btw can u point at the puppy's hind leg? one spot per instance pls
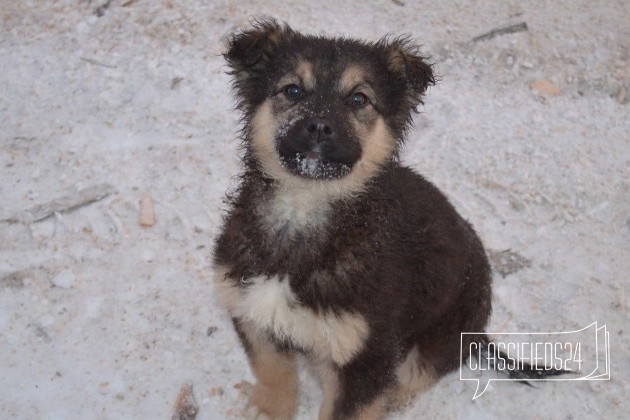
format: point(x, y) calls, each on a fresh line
point(356, 391)
point(413, 376)
point(276, 390)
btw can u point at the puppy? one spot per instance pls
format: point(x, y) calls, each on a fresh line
point(331, 249)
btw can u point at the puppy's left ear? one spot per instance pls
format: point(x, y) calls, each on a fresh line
point(405, 60)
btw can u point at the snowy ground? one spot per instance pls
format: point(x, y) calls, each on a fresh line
point(103, 318)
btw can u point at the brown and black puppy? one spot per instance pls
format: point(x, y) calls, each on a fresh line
point(332, 250)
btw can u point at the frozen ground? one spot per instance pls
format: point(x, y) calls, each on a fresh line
point(101, 318)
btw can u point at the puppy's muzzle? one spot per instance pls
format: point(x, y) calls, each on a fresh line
point(316, 147)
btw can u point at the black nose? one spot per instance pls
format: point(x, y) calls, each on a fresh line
point(319, 129)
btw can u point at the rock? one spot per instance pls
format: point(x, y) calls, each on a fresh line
point(13, 280)
point(507, 262)
point(622, 96)
point(186, 407)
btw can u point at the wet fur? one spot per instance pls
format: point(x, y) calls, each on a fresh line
point(371, 276)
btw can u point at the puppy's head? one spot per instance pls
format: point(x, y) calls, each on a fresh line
point(330, 111)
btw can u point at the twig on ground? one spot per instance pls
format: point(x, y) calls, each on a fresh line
point(62, 204)
point(509, 29)
point(97, 63)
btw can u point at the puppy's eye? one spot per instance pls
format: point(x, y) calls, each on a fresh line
point(293, 91)
point(359, 99)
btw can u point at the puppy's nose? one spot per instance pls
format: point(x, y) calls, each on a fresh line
point(319, 129)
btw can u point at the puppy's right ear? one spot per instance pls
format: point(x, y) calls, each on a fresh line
point(404, 60)
point(251, 49)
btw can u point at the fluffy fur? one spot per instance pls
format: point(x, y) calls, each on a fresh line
point(331, 249)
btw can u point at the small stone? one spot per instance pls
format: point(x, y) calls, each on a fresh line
point(545, 87)
point(176, 81)
point(516, 203)
point(216, 391)
point(186, 407)
point(103, 388)
point(64, 279)
point(508, 262)
point(41, 332)
point(16, 280)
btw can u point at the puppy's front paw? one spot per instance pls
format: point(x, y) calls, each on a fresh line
point(268, 403)
point(253, 413)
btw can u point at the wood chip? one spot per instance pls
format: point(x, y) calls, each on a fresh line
point(545, 87)
point(147, 213)
point(186, 407)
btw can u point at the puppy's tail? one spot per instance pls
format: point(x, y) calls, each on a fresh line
point(515, 369)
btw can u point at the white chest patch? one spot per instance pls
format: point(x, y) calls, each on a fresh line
point(270, 306)
point(296, 209)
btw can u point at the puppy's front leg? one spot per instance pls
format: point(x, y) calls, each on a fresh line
point(276, 390)
point(355, 391)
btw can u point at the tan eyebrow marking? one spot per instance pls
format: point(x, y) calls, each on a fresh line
point(288, 79)
point(351, 77)
point(302, 76)
point(304, 71)
point(353, 80)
